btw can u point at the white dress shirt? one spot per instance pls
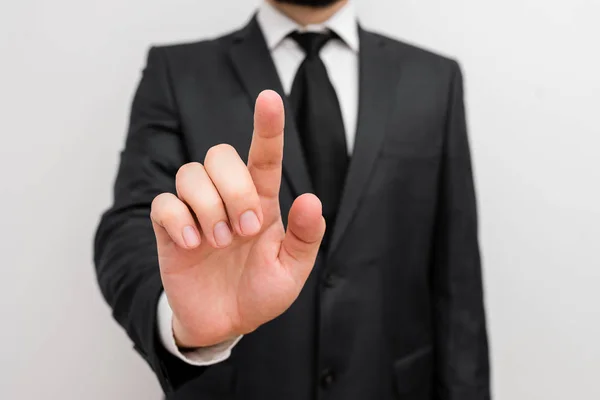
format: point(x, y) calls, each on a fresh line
point(341, 60)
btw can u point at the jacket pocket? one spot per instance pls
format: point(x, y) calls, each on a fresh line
point(415, 371)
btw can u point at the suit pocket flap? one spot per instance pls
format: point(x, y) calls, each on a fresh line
point(414, 370)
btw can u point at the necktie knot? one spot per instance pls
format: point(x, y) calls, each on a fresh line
point(312, 42)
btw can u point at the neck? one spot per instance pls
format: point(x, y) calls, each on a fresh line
point(307, 15)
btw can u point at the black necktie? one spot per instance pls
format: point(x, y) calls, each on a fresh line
point(320, 124)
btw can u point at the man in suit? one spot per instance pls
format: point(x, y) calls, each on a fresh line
point(343, 265)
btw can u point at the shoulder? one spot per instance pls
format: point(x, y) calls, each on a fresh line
point(194, 53)
point(408, 54)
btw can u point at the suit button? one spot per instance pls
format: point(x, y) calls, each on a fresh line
point(329, 281)
point(327, 378)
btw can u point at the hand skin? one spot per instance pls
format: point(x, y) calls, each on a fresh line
point(226, 262)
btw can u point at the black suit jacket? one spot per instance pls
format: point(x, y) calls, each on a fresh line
point(394, 309)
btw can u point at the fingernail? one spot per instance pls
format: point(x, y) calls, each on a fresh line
point(190, 237)
point(222, 234)
point(249, 223)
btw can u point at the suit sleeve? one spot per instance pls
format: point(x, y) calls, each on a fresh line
point(125, 249)
point(462, 366)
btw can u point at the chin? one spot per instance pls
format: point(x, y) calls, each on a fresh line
point(309, 3)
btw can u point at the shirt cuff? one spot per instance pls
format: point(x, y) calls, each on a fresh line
point(200, 357)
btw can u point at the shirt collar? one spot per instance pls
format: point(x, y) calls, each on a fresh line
point(276, 26)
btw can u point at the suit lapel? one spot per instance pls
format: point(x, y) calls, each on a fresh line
point(378, 75)
point(254, 66)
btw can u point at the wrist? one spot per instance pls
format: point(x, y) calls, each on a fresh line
point(187, 341)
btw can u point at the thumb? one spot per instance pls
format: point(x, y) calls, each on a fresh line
point(306, 227)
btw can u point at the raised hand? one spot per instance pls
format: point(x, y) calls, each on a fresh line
point(226, 263)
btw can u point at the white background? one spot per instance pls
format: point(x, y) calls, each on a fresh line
point(68, 69)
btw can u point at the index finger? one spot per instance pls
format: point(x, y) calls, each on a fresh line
point(266, 151)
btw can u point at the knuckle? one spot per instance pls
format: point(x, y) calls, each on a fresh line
point(218, 151)
point(159, 200)
point(210, 210)
point(186, 171)
point(242, 195)
point(169, 216)
point(159, 209)
point(214, 206)
point(185, 176)
point(266, 165)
